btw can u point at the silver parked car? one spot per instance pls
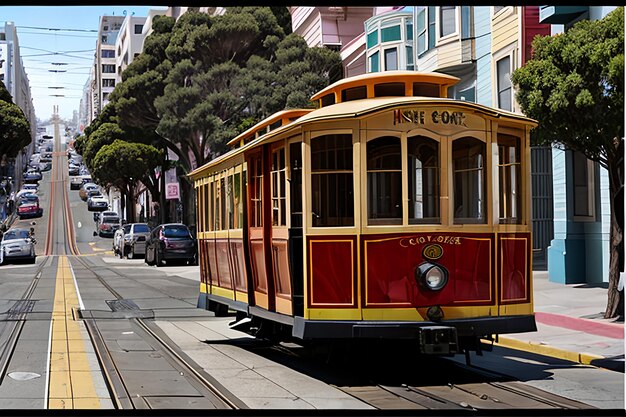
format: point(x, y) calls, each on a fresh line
point(17, 243)
point(134, 240)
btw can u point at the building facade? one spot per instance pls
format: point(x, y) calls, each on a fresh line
point(128, 44)
point(15, 79)
point(338, 28)
point(579, 252)
point(106, 60)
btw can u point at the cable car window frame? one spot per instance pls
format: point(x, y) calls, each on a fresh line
point(387, 177)
point(480, 197)
point(317, 218)
point(436, 199)
point(510, 172)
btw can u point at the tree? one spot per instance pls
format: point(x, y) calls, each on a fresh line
point(106, 134)
point(123, 164)
point(4, 94)
point(14, 129)
point(574, 87)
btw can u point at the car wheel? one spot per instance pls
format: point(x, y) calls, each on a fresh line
point(120, 252)
point(130, 254)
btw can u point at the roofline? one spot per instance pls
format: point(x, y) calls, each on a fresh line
point(432, 77)
point(386, 103)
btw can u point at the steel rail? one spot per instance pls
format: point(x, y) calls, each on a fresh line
point(18, 323)
point(165, 346)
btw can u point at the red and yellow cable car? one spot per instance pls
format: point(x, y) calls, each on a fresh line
point(389, 212)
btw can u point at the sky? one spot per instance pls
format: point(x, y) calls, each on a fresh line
point(44, 49)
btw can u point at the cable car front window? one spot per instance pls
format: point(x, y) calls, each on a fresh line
point(332, 181)
point(468, 159)
point(384, 181)
point(423, 164)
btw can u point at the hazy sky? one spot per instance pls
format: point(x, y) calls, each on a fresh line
point(43, 48)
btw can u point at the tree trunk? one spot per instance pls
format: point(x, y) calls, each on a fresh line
point(130, 207)
point(122, 201)
point(615, 241)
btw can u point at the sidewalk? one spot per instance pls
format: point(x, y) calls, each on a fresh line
point(570, 325)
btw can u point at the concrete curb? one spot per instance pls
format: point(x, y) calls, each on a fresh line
point(547, 350)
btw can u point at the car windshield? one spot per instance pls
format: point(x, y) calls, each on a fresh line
point(176, 231)
point(16, 234)
point(31, 198)
point(111, 220)
point(141, 228)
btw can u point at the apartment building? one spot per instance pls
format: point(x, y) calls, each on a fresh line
point(338, 28)
point(129, 43)
point(15, 79)
point(106, 61)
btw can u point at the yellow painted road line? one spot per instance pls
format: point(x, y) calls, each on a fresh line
point(71, 383)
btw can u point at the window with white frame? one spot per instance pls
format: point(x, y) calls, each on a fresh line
point(108, 82)
point(496, 9)
point(374, 62)
point(505, 90)
point(447, 20)
point(391, 59)
point(420, 27)
point(409, 58)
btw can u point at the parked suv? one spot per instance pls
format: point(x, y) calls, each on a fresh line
point(168, 242)
point(130, 240)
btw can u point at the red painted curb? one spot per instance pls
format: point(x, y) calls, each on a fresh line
point(611, 330)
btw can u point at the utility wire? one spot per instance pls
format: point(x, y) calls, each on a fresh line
point(58, 34)
point(58, 29)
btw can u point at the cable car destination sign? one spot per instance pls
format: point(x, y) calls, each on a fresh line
point(422, 117)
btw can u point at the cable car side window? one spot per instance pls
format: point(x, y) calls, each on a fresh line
point(384, 181)
point(424, 180)
point(510, 174)
point(468, 160)
point(332, 181)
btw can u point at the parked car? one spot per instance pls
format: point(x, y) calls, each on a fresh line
point(22, 192)
point(170, 242)
point(45, 166)
point(85, 189)
point(32, 176)
point(97, 202)
point(108, 224)
point(28, 206)
point(46, 157)
point(31, 187)
point(73, 169)
point(75, 183)
point(133, 240)
point(17, 243)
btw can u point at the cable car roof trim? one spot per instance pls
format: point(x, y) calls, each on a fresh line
point(358, 108)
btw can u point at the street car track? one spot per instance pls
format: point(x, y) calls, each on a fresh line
point(116, 384)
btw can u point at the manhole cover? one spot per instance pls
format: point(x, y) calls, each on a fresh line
point(23, 376)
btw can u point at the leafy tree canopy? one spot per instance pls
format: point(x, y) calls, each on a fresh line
point(4, 93)
point(574, 87)
point(122, 163)
point(14, 129)
point(106, 134)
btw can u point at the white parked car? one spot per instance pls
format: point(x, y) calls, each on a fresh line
point(97, 203)
point(17, 243)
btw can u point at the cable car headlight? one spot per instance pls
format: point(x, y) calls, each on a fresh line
point(431, 276)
